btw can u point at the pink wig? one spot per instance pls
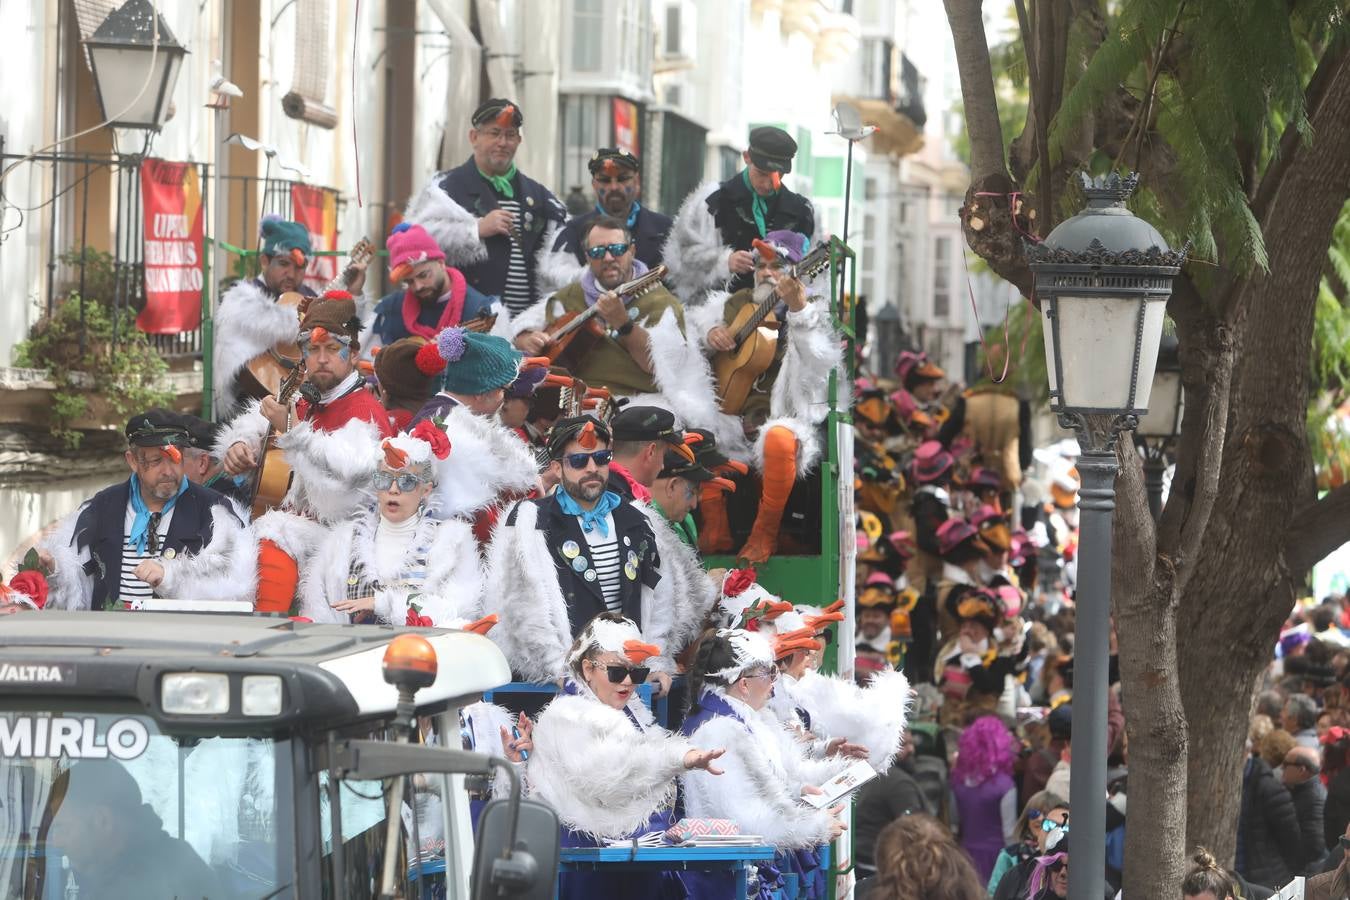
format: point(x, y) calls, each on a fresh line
point(986, 748)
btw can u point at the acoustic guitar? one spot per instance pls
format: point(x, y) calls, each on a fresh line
point(263, 375)
point(755, 333)
point(572, 335)
point(274, 473)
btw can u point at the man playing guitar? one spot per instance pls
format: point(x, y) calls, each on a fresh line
point(621, 359)
point(334, 400)
point(782, 422)
point(250, 321)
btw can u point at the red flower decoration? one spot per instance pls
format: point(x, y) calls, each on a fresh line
point(737, 582)
point(33, 583)
point(426, 430)
point(416, 618)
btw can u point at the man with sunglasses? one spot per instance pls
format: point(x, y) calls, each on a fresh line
point(558, 561)
point(492, 221)
point(625, 358)
point(711, 240)
point(617, 181)
point(155, 533)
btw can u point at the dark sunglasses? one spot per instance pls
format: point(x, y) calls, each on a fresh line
point(614, 250)
point(1049, 825)
point(617, 674)
point(1056, 867)
point(578, 460)
point(406, 482)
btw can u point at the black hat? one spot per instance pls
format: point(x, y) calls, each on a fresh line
point(504, 112)
point(157, 428)
point(706, 452)
point(646, 423)
point(1060, 722)
point(772, 149)
point(611, 154)
point(564, 431)
point(201, 433)
point(676, 465)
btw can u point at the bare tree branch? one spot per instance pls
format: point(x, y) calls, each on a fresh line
point(1318, 529)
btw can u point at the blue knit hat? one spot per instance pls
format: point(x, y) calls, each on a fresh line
point(280, 236)
point(473, 363)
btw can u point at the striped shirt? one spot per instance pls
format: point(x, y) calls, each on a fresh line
point(132, 588)
point(606, 560)
point(516, 292)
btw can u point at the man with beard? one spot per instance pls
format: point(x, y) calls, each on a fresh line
point(249, 321)
point(492, 221)
point(336, 419)
point(558, 561)
point(156, 530)
point(623, 359)
point(788, 401)
point(434, 296)
point(710, 244)
point(617, 182)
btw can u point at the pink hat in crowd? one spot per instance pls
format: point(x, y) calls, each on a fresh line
point(931, 462)
point(409, 245)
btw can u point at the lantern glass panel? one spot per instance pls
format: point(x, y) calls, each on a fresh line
point(120, 73)
point(1165, 407)
point(1097, 340)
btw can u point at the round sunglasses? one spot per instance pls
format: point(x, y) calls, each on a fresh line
point(406, 481)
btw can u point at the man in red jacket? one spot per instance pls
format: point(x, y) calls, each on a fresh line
point(335, 417)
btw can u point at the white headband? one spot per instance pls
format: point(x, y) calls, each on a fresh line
point(607, 635)
point(749, 648)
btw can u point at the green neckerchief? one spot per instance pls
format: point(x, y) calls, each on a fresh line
point(758, 205)
point(502, 183)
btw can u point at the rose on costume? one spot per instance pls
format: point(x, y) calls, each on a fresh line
point(737, 582)
point(427, 431)
point(416, 618)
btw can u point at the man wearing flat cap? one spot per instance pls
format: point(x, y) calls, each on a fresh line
point(492, 221)
point(155, 534)
point(710, 240)
point(642, 435)
point(617, 181)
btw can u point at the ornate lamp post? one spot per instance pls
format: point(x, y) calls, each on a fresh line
point(1103, 278)
point(135, 59)
point(1158, 429)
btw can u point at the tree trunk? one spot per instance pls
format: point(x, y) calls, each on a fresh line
point(1266, 471)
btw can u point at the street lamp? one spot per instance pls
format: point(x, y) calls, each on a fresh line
point(1160, 426)
point(135, 59)
point(1102, 278)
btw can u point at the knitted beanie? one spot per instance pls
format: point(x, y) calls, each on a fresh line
point(280, 237)
point(396, 370)
point(410, 245)
point(473, 363)
point(335, 313)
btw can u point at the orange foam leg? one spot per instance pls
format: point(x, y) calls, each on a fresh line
point(278, 577)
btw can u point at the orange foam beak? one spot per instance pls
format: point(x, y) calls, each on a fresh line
point(818, 622)
point(401, 272)
point(297, 256)
point(586, 438)
point(737, 466)
point(610, 168)
point(835, 607)
point(801, 639)
point(637, 652)
point(173, 453)
point(692, 438)
point(766, 252)
point(318, 335)
point(555, 380)
point(505, 117)
point(724, 484)
point(776, 179)
point(394, 458)
point(775, 608)
point(534, 362)
point(365, 367)
point(483, 625)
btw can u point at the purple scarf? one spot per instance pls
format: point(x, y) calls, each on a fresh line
point(593, 290)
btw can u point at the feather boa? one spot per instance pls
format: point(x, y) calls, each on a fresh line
point(68, 585)
point(225, 569)
point(451, 225)
point(486, 461)
point(874, 716)
point(694, 253)
point(683, 597)
point(332, 468)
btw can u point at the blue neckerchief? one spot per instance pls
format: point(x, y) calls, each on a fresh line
point(140, 526)
point(759, 207)
point(590, 518)
point(632, 213)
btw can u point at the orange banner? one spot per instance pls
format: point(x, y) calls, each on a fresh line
point(316, 209)
point(171, 199)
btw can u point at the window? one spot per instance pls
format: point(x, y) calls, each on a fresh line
point(588, 19)
point(870, 189)
point(942, 274)
point(902, 212)
point(672, 37)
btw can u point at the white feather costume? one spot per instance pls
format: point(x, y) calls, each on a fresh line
point(456, 230)
point(765, 771)
point(683, 598)
point(521, 588)
point(694, 253)
point(247, 322)
point(603, 776)
point(487, 461)
point(557, 269)
point(331, 482)
point(874, 716)
point(451, 587)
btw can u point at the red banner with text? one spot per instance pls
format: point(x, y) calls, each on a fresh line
point(171, 197)
point(316, 209)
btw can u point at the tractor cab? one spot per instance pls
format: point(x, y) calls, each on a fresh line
point(222, 756)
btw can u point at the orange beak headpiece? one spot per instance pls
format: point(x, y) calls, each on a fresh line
point(394, 458)
point(506, 118)
point(499, 112)
point(766, 251)
point(638, 652)
point(586, 437)
point(483, 625)
point(792, 641)
point(297, 256)
point(776, 179)
point(173, 453)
